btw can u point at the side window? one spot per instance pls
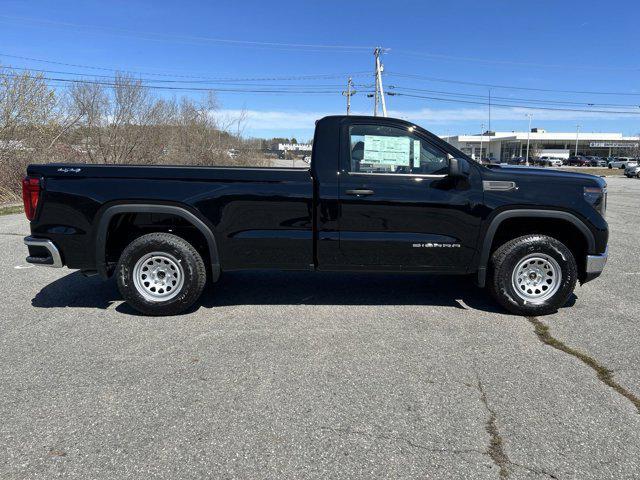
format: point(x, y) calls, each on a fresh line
point(382, 149)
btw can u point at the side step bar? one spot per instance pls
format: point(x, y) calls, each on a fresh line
point(44, 252)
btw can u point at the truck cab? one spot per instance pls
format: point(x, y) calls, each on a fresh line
point(396, 204)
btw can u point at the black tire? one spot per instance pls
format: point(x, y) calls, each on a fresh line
point(190, 267)
point(512, 254)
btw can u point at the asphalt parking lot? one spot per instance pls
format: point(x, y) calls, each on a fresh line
point(300, 375)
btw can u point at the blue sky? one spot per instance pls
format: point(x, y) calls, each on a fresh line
point(546, 45)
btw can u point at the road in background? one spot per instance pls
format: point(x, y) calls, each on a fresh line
point(302, 375)
point(293, 163)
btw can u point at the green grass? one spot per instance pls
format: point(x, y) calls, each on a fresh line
point(11, 209)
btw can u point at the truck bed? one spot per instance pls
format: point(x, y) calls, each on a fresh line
point(261, 217)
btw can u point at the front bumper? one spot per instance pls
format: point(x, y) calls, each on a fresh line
point(43, 251)
point(595, 265)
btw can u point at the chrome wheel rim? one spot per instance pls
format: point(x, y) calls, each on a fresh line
point(158, 276)
point(536, 278)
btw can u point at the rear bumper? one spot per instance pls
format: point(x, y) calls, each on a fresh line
point(595, 265)
point(43, 252)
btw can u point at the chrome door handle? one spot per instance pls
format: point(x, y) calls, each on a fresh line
point(358, 192)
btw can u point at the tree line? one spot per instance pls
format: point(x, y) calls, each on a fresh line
point(119, 121)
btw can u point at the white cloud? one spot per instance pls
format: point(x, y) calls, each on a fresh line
point(291, 121)
point(276, 120)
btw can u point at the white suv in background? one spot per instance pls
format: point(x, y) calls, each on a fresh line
point(550, 161)
point(622, 162)
point(632, 170)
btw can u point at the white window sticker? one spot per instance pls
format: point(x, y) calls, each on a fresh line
point(387, 152)
point(416, 153)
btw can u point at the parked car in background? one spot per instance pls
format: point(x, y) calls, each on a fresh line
point(517, 161)
point(550, 161)
point(621, 162)
point(632, 170)
point(579, 161)
point(597, 161)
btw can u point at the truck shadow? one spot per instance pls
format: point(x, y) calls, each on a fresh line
point(306, 288)
point(289, 288)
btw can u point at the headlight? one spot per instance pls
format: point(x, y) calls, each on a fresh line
point(597, 197)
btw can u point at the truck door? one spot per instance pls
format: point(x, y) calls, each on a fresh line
point(399, 209)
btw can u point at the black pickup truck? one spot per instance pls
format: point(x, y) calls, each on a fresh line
point(381, 195)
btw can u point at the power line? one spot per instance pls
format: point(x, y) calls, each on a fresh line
point(304, 77)
point(146, 81)
point(316, 89)
point(65, 81)
point(292, 88)
point(510, 62)
point(231, 91)
point(291, 45)
point(506, 87)
point(244, 81)
point(166, 37)
point(528, 107)
point(240, 81)
point(317, 76)
point(510, 99)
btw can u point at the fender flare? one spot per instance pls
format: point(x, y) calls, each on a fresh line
point(110, 212)
point(502, 216)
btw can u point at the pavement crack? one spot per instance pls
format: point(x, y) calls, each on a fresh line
point(534, 470)
point(411, 443)
point(495, 450)
point(604, 374)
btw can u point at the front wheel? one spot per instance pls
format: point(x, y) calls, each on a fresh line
point(160, 274)
point(533, 275)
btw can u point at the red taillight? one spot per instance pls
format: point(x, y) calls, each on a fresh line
point(30, 196)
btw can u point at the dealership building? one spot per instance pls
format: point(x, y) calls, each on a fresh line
point(503, 146)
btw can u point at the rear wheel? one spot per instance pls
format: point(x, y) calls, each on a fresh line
point(160, 274)
point(533, 275)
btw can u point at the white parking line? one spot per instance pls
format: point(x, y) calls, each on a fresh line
point(22, 267)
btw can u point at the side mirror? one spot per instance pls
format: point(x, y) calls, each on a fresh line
point(458, 167)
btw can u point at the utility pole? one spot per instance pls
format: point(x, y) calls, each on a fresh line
point(577, 137)
point(348, 94)
point(528, 135)
point(489, 109)
point(379, 91)
point(375, 76)
point(481, 138)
